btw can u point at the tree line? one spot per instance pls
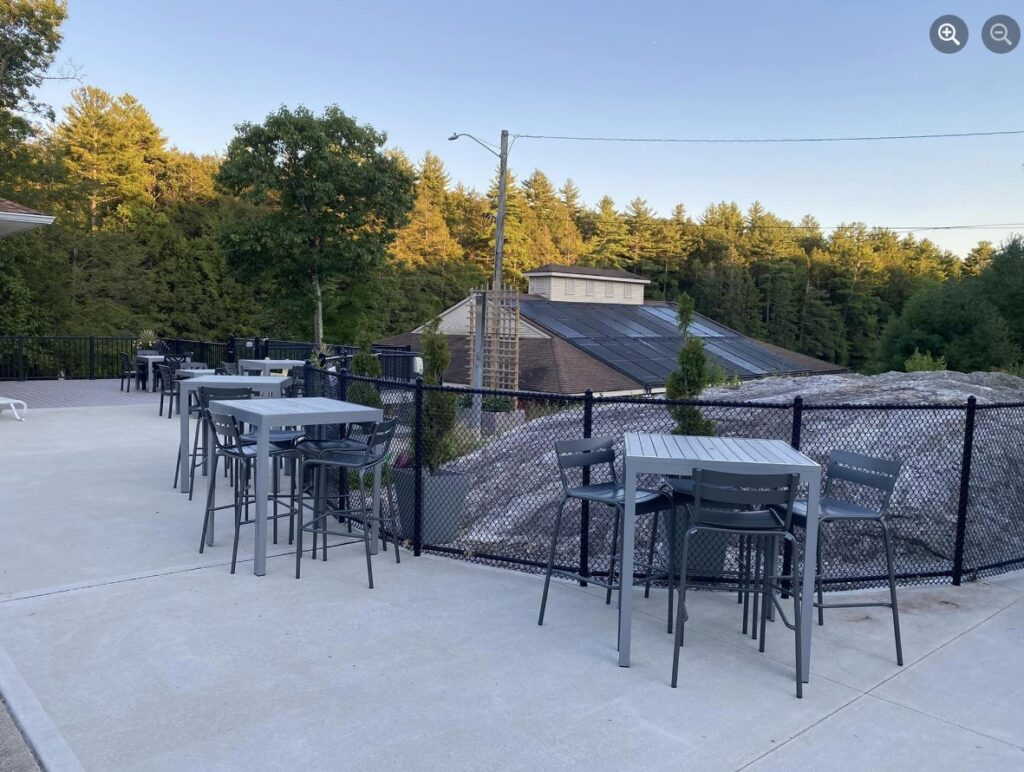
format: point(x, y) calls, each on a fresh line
point(307, 211)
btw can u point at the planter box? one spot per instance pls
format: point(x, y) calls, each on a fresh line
point(444, 503)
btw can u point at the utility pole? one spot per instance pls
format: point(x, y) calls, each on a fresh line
point(499, 225)
point(480, 311)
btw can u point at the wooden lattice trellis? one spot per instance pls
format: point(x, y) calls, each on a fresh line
point(501, 337)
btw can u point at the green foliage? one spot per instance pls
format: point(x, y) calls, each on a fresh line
point(439, 408)
point(918, 362)
point(366, 364)
point(147, 338)
point(29, 39)
point(327, 202)
point(690, 378)
point(497, 404)
point(951, 321)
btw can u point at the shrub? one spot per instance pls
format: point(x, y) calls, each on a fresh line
point(690, 378)
point(439, 408)
point(366, 364)
point(918, 362)
point(498, 404)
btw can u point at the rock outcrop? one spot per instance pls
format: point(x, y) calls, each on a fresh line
point(515, 489)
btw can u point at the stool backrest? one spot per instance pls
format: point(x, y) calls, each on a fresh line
point(126, 361)
point(575, 455)
point(378, 440)
point(225, 429)
point(845, 468)
point(743, 495)
point(215, 393)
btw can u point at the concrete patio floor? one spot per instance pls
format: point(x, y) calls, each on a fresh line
point(123, 648)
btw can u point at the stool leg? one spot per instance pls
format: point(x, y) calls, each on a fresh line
point(240, 490)
point(650, 555)
point(817, 581)
point(367, 528)
point(614, 558)
point(551, 562)
point(680, 609)
point(892, 590)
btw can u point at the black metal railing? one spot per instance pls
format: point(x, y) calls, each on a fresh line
point(51, 357)
point(957, 512)
point(36, 357)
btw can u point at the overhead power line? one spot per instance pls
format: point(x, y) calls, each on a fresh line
point(752, 140)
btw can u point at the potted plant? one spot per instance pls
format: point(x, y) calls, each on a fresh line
point(499, 414)
point(444, 491)
point(147, 340)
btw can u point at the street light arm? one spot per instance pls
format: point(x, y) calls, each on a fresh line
point(484, 145)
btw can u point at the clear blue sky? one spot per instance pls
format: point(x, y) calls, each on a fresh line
point(420, 70)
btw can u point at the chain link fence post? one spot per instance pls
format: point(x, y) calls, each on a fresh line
point(417, 507)
point(965, 486)
point(794, 441)
point(588, 427)
point(21, 357)
point(92, 358)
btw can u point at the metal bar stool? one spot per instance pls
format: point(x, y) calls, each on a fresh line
point(758, 508)
point(346, 456)
point(584, 455)
point(865, 472)
point(227, 444)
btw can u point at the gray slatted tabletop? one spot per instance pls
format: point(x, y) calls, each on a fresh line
point(680, 455)
point(261, 384)
point(266, 365)
point(266, 414)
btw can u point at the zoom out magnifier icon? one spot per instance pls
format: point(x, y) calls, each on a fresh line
point(1001, 34)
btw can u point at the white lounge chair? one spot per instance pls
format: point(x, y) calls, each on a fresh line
point(13, 404)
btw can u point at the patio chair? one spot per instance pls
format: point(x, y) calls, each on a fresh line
point(227, 444)
point(13, 404)
point(128, 370)
point(871, 475)
point(168, 386)
point(584, 456)
point(320, 456)
point(756, 507)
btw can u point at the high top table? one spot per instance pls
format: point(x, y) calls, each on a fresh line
point(151, 362)
point(263, 385)
point(266, 365)
point(266, 414)
point(670, 454)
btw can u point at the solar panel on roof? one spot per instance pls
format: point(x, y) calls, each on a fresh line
point(642, 342)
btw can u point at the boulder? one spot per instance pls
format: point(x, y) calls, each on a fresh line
point(515, 488)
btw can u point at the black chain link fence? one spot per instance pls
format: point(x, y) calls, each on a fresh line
point(957, 512)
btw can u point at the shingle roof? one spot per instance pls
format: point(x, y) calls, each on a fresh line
point(582, 270)
point(10, 207)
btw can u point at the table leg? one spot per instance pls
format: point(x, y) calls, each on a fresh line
point(810, 571)
point(183, 455)
point(626, 567)
point(262, 466)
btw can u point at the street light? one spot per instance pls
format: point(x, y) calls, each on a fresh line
point(499, 225)
point(499, 248)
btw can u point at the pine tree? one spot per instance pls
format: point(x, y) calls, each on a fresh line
point(690, 378)
point(609, 248)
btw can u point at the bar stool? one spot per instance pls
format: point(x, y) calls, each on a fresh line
point(320, 456)
point(584, 455)
point(865, 472)
point(227, 444)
